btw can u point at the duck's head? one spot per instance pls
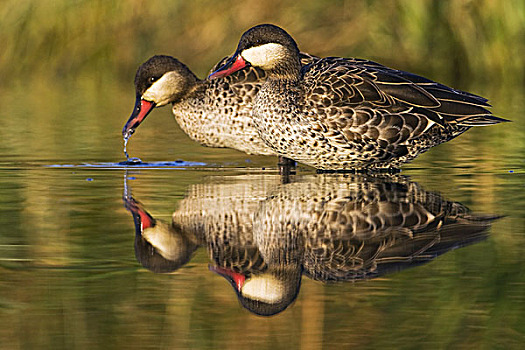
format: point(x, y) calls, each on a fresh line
point(159, 81)
point(159, 246)
point(264, 293)
point(265, 46)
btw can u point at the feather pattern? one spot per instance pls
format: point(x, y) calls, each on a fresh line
point(359, 114)
point(346, 113)
point(215, 113)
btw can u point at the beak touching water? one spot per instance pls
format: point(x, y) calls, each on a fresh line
point(235, 63)
point(140, 112)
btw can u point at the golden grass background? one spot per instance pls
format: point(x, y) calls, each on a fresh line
point(462, 39)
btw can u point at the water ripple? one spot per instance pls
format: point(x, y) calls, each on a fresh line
point(132, 164)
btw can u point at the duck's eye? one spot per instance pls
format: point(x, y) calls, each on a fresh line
point(153, 79)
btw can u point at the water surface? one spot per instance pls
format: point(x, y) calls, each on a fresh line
point(70, 268)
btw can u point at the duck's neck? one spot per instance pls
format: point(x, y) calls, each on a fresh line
point(283, 80)
point(276, 104)
point(195, 118)
point(287, 70)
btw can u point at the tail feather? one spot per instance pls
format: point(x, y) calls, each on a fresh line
point(481, 120)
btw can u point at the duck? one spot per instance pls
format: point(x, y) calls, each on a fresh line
point(214, 113)
point(348, 113)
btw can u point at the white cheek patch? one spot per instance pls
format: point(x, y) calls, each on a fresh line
point(163, 89)
point(266, 289)
point(265, 56)
point(166, 243)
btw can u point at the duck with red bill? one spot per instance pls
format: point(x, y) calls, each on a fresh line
point(235, 63)
point(348, 114)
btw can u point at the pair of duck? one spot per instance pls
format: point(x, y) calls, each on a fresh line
point(331, 113)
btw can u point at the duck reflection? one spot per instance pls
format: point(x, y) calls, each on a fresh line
point(263, 235)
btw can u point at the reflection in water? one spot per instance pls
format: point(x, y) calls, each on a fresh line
point(263, 236)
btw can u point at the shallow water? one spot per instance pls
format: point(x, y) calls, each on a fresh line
point(72, 276)
point(69, 267)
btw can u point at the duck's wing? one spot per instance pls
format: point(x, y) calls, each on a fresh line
point(354, 84)
point(359, 103)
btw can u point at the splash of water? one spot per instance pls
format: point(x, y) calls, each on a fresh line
point(130, 160)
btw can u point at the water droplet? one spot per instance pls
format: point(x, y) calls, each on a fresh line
point(126, 138)
point(130, 160)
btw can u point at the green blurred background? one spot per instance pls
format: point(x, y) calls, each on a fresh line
point(107, 40)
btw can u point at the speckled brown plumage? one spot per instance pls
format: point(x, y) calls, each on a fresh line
point(217, 113)
point(338, 113)
point(214, 113)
